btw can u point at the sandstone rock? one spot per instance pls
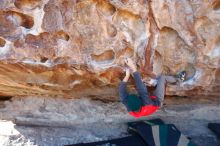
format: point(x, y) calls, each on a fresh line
point(2, 42)
point(76, 48)
point(27, 4)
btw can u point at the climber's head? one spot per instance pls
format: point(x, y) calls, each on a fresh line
point(134, 102)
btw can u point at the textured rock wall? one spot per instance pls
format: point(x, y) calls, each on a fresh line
point(75, 48)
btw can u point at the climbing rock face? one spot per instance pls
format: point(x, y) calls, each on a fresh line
point(76, 48)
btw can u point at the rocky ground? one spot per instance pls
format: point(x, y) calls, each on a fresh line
point(58, 121)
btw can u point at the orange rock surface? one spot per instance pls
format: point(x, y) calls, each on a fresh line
point(75, 48)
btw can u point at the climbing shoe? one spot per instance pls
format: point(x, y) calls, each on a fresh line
point(182, 75)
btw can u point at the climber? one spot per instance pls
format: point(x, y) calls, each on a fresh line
point(143, 104)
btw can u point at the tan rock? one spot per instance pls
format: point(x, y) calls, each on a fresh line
point(2, 42)
point(27, 4)
point(76, 48)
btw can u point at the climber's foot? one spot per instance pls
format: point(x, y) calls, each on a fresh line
point(182, 75)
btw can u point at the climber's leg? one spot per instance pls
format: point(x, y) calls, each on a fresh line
point(159, 92)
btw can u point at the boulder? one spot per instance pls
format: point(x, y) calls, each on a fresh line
point(76, 48)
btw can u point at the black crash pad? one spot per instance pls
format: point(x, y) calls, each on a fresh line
point(147, 133)
point(133, 140)
point(215, 127)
